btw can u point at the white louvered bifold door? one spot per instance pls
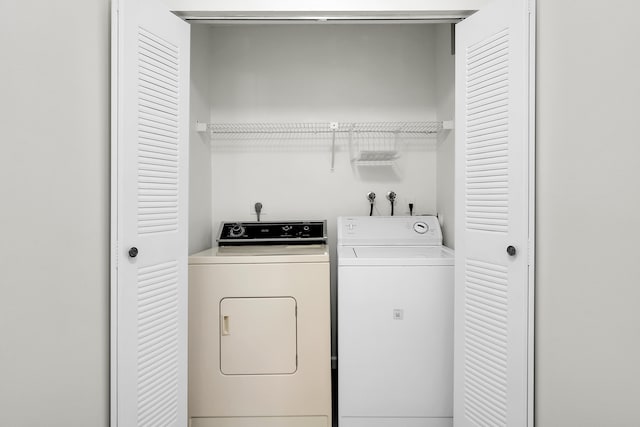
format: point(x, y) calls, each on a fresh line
point(150, 84)
point(492, 306)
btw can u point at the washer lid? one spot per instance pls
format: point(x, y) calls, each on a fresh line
point(395, 255)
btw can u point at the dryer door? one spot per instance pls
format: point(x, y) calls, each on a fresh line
point(258, 336)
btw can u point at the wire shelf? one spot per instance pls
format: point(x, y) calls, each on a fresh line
point(226, 130)
point(243, 130)
point(370, 143)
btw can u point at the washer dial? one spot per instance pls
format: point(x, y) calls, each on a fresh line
point(420, 227)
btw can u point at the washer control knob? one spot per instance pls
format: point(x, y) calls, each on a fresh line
point(420, 227)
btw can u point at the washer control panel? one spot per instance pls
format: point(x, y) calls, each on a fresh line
point(389, 230)
point(265, 233)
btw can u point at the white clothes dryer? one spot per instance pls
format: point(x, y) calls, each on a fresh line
point(395, 323)
point(260, 328)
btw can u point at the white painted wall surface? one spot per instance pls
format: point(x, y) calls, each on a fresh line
point(54, 219)
point(322, 73)
point(445, 110)
point(319, 73)
point(588, 199)
point(200, 194)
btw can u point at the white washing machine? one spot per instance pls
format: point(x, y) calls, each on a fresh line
point(395, 323)
point(260, 328)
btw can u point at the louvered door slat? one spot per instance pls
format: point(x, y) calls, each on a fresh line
point(158, 133)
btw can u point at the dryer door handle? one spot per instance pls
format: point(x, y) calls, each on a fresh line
point(225, 326)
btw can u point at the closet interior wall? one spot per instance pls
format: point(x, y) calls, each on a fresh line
point(445, 109)
point(200, 192)
point(317, 73)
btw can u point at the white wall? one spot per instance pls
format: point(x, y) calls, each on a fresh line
point(200, 193)
point(445, 95)
point(54, 219)
point(588, 199)
point(319, 73)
